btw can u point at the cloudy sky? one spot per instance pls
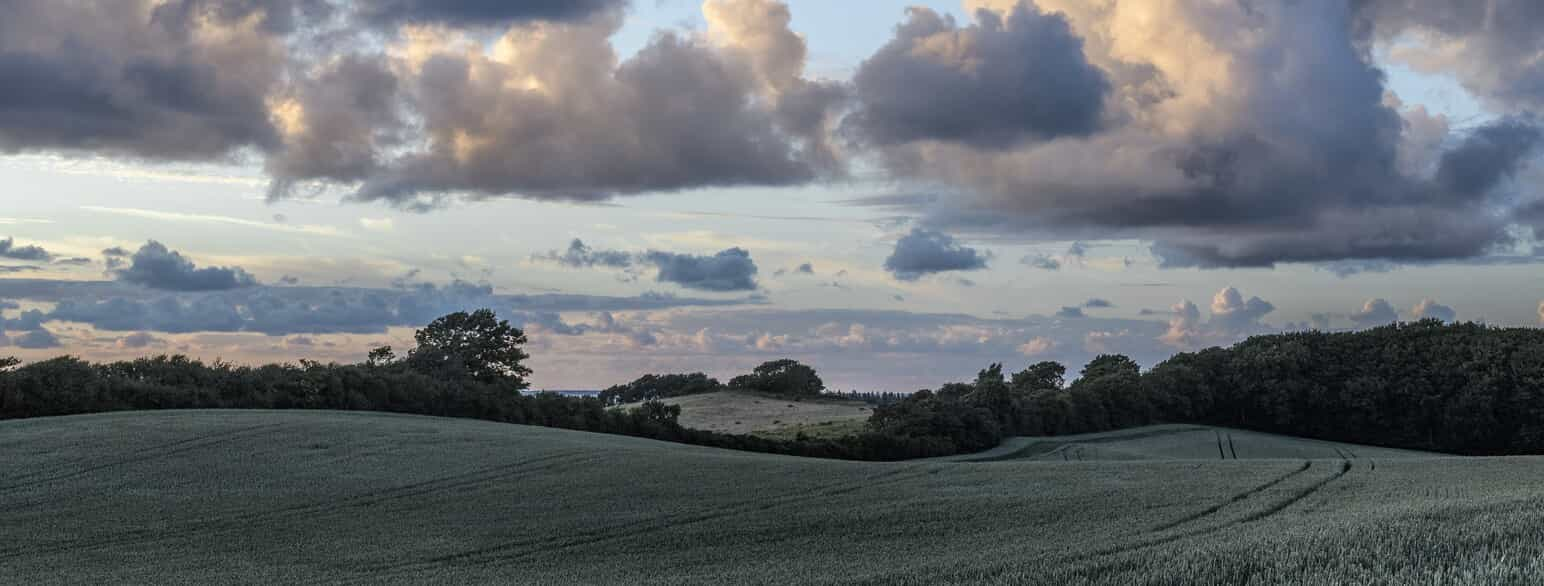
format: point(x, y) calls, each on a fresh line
point(898, 192)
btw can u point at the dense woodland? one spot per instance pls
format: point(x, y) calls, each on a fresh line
point(1461, 388)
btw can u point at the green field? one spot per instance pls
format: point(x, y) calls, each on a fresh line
point(312, 497)
point(1181, 442)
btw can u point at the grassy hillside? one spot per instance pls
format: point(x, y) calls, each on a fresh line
point(744, 412)
point(1181, 442)
point(296, 497)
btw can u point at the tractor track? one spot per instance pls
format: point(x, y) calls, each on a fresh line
point(243, 520)
point(143, 455)
point(530, 547)
point(1234, 499)
point(986, 574)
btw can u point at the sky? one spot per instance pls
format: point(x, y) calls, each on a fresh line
point(898, 193)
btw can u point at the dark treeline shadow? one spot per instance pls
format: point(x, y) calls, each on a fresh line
point(1461, 388)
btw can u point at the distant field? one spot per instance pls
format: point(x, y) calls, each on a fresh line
point(311, 497)
point(740, 412)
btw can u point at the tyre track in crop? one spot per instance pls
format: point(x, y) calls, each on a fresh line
point(1345, 468)
point(520, 549)
point(246, 519)
point(1209, 511)
point(142, 455)
point(997, 570)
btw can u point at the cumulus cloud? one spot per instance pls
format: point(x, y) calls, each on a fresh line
point(403, 99)
point(1375, 312)
point(729, 270)
point(1232, 319)
point(1037, 346)
point(549, 111)
point(1429, 309)
point(175, 79)
point(1006, 79)
point(924, 252)
point(9, 249)
point(1098, 303)
point(1223, 151)
point(1232, 314)
point(158, 267)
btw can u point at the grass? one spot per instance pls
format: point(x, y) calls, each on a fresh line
point(743, 412)
point(831, 429)
point(312, 497)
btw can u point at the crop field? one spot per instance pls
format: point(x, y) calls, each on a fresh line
point(1181, 442)
point(743, 412)
point(312, 497)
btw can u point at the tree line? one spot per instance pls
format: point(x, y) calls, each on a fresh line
point(1459, 388)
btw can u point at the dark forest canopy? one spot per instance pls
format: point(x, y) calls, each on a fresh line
point(1460, 388)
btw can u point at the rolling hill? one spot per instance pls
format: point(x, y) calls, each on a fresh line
point(745, 412)
point(328, 497)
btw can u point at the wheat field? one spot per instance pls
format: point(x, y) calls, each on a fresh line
point(321, 497)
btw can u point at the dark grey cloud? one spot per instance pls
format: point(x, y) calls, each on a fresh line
point(1487, 156)
point(1278, 164)
point(580, 255)
point(1068, 312)
point(74, 261)
point(1490, 46)
point(182, 79)
point(923, 252)
point(729, 270)
point(310, 91)
point(346, 114)
point(118, 307)
point(158, 267)
point(806, 269)
point(9, 249)
point(1098, 303)
point(37, 340)
point(140, 340)
point(12, 269)
point(479, 12)
point(1041, 261)
point(996, 83)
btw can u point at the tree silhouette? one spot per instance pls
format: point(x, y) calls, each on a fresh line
point(476, 346)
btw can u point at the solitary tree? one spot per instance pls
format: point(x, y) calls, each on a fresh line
point(476, 345)
point(781, 377)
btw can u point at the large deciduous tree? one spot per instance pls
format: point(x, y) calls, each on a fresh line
point(476, 346)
